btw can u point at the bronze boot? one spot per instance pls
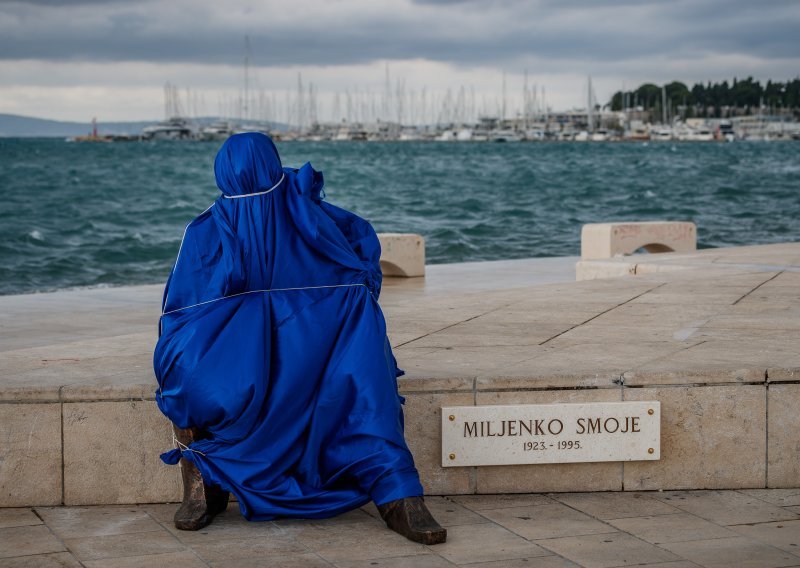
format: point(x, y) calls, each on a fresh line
point(201, 502)
point(411, 518)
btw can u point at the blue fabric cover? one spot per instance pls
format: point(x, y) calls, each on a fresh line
point(272, 341)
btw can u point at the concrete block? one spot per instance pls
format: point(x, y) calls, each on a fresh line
point(549, 477)
point(402, 254)
point(423, 428)
point(605, 240)
point(30, 454)
point(783, 445)
point(712, 437)
point(111, 454)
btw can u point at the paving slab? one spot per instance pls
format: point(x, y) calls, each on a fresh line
point(674, 527)
point(532, 562)
point(308, 560)
point(120, 545)
point(726, 507)
point(546, 521)
point(55, 560)
point(415, 561)
point(76, 522)
point(782, 497)
point(484, 543)
point(502, 501)
point(741, 552)
point(615, 505)
point(18, 518)
point(607, 550)
point(24, 541)
point(781, 534)
point(180, 559)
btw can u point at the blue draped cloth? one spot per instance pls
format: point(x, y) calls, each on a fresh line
point(272, 342)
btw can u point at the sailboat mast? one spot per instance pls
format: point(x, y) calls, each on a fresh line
point(246, 77)
point(589, 109)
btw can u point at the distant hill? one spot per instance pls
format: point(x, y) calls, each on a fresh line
point(28, 126)
point(13, 125)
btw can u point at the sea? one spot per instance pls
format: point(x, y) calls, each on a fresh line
point(93, 214)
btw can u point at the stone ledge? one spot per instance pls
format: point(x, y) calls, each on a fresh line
point(110, 448)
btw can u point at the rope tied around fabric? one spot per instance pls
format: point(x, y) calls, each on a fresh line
point(174, 455)
point(274, 187)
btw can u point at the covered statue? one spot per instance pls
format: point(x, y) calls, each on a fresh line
point(272, 360)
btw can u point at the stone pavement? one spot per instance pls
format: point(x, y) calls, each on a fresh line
point(678, 529)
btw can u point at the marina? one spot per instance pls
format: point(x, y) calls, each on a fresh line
point(560, 127)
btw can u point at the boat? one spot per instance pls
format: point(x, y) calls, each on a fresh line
point(661, 134)
point(725, 131)
point(505, 135)
point(217, 131)
point(175, 128)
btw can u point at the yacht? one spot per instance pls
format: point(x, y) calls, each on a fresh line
point(217, 131)
point(171, 129)
point(505, 135)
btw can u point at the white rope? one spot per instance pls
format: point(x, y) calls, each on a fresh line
point(257, 193)
point(183, 447)
point(266, 291)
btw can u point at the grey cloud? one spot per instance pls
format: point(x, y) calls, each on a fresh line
point(504, 33)
point(60, 3)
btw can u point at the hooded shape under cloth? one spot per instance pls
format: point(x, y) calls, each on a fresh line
point(272, 341)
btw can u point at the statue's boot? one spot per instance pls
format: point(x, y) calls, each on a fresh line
point(411, 518)
point(201, 502)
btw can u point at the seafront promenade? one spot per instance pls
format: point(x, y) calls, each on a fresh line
point(714, 336)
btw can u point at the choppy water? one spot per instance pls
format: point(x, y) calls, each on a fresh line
point(107, 214)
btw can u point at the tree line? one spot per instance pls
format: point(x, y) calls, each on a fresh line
point(746, 96)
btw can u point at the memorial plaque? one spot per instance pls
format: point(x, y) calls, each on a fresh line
point(551, 433)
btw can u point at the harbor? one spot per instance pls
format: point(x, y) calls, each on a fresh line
point(572, 126)
point(398, 114)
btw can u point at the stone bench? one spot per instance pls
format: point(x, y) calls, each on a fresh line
point(402, 254)
point(606, 240)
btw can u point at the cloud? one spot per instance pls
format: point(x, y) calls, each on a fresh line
point(462, 32)
point(341, 44)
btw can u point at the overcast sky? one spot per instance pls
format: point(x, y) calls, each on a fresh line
point(73, 59)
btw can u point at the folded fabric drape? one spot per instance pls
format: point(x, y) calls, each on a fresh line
point(272, 341)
